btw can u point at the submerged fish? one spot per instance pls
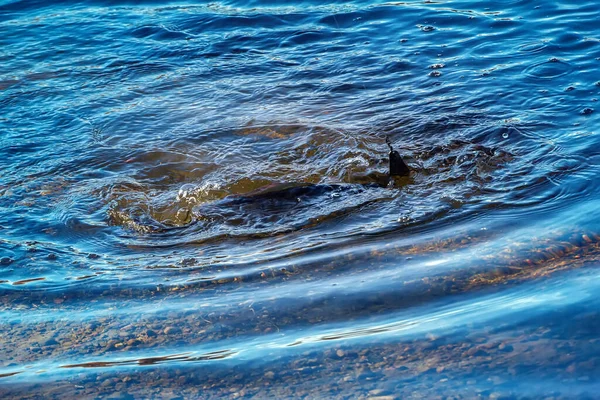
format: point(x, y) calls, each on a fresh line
point(279, 206)
point(296, 192)
point(290, 206)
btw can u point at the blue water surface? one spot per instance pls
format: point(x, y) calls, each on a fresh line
point(191, 203)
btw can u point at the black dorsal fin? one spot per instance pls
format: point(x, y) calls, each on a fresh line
point(397, 165)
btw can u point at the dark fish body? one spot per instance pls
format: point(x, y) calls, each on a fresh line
point(285, 208)
point(290, 205)
point(297, 193)
point(286, 202)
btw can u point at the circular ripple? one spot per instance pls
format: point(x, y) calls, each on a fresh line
point(531, 48)
point(548, 69)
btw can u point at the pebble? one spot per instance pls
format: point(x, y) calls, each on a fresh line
point(92, 325)
point(150, 333)
point(340, 353)
point(171, 330)
point(269, 375)
point(111, 344)
point(50, 342)
point(505, 347)
point(476, 352)
point(182, 380)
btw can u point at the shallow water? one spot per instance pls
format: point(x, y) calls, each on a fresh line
point(188, 208)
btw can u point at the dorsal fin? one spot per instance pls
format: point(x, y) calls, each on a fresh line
point(397, 165)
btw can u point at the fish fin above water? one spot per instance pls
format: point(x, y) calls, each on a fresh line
point(397, 165)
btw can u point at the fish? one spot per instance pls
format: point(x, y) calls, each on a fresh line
point(283, 203)
point(295, 192)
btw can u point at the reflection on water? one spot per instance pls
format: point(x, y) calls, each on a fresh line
point(194, 199)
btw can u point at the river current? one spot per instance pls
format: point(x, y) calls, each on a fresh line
point(188, 208)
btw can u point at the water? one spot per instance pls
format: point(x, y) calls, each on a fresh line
point(188, 206)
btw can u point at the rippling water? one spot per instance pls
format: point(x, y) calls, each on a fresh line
point(190, 204)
